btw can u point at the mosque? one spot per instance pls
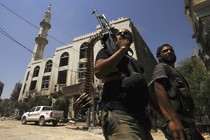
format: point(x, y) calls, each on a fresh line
point(70, 68)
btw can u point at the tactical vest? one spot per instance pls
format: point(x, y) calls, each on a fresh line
point(179, 93)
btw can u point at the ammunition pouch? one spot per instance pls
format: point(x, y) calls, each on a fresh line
point(181, 99)
point(186, 102)
point(179, 93)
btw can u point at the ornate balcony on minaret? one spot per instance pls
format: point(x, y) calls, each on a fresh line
point(41, 39)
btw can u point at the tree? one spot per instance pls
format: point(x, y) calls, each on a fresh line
point(199, 80)
point(62, 103)
point(4, 108)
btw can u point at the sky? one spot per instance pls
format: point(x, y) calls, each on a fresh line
point(158, 22)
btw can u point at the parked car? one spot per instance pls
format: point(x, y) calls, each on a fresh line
point(42, 115)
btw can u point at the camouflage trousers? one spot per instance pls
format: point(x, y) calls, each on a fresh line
point(121, 125)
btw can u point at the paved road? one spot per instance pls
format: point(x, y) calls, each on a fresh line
point(14, 130)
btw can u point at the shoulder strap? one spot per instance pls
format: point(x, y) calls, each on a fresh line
point(173, 72)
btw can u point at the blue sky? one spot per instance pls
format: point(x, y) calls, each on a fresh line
point(158, 21)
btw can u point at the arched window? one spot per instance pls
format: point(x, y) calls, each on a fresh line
point(48, 66)
point(36, 71)
point(64, 59)
point(83, 51)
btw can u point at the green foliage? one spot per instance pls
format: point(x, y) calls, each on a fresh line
point(62, 103)
point(4, 107)
point(198, 79)
point(39, 100)
point(15, 93)
point(23, 107)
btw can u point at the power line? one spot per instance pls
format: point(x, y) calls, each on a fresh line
point(14, 40)
point(34, 25)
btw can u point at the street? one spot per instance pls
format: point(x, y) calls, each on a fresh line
point(14, 130)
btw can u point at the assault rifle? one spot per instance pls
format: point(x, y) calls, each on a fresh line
point(109, 42)
point(107, 34)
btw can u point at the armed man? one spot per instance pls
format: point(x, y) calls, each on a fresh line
point(125, 92)
point(174, 98)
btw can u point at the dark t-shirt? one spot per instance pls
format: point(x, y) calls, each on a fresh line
point(134, 97)
point(159, 72)
point(177, 89)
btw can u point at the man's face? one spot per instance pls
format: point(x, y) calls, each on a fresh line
point(124, 34)
point(167, 55)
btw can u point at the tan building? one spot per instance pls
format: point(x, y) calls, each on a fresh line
point(198, 14)
point(64, 72)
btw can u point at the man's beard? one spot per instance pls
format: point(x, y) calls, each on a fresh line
point(169, 60)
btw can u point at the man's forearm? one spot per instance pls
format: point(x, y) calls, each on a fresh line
point(104, 66)
point(165, 105)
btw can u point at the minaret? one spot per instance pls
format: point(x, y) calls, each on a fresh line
point(41, 39)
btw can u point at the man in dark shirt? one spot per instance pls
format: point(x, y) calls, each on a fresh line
point(174, 98)
point(124, 105)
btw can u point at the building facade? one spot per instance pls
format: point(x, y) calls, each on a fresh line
point(198, 14)
point(64, 72)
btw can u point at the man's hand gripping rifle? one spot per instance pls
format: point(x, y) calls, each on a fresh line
point(109, 42)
